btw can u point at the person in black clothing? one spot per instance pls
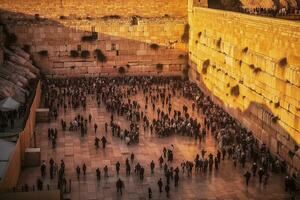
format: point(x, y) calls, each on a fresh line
point(104, 141)
point(78, 172)
point(120, 186)
point(84, 169)
point(254, 169)
point(167, 189)
point(95, 127)
point(260, 174)
point(247, 176)
point(118, 167)
point(142, 170)
point(152, 165)
point(97, 142)
point(43, 169)
point(132, 157)
point(176, 179)
point(98, 173)
point(149, 193)
point(40, 184)
point(160, 185)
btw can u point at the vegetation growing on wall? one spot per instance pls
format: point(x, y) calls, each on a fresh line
point(235, 90)
point(100, 56)
point(159, 66)
point(43, 53)
point(186, 34)
point(154, 46)
point(121, 70)
point(257, 70)
point(134, 21)
point(85, 54)
point(275, 119)
point(90, 38)
point(282, 62)
point(107, 17)
point(10, 39)
point(182, 56)
point(74, 53)
point(62, 17)
point(245, 50)
point(27, 48)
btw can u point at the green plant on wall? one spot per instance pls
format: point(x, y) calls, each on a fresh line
point(121, 70)
point(85, 54)
point(43, 53)
point(90, 38)
point(10, 39)
point(74, 53)
point(100, 56)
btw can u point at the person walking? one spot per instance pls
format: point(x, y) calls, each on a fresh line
point(78, 172)
point(160, 185)
point(120, 186)
point(247, 176)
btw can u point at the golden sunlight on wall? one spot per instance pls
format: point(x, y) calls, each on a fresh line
point(96, 8)
point(252, 64)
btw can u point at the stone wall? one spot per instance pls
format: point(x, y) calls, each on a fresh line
point(96, 8)
point(123, 44)
point(251, 65)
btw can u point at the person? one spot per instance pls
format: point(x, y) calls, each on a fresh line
point(142, 170)
point(161, 160)
point(254, 169)
point(149, 193)
point(167, 189)
point(287, 183)
point(247, 176)
point(152, 165)
point(43, 169)
point(105, 171)
point(160, 185)
point(78, 172)
point(120, 186)
point(97, 142)
point(95, 127)
point(98, 173)
point(90, 118)
point(104, 141)
point(84, 168)
point(118, 167)
point(132, 157)
point(39, 184)
point(266, 179)
point(176, 179)
point(260, 174)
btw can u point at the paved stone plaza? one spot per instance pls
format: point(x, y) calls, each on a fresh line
point(227, 183)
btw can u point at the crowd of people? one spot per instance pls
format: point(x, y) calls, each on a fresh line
point(235, 142)
point(271, 12)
